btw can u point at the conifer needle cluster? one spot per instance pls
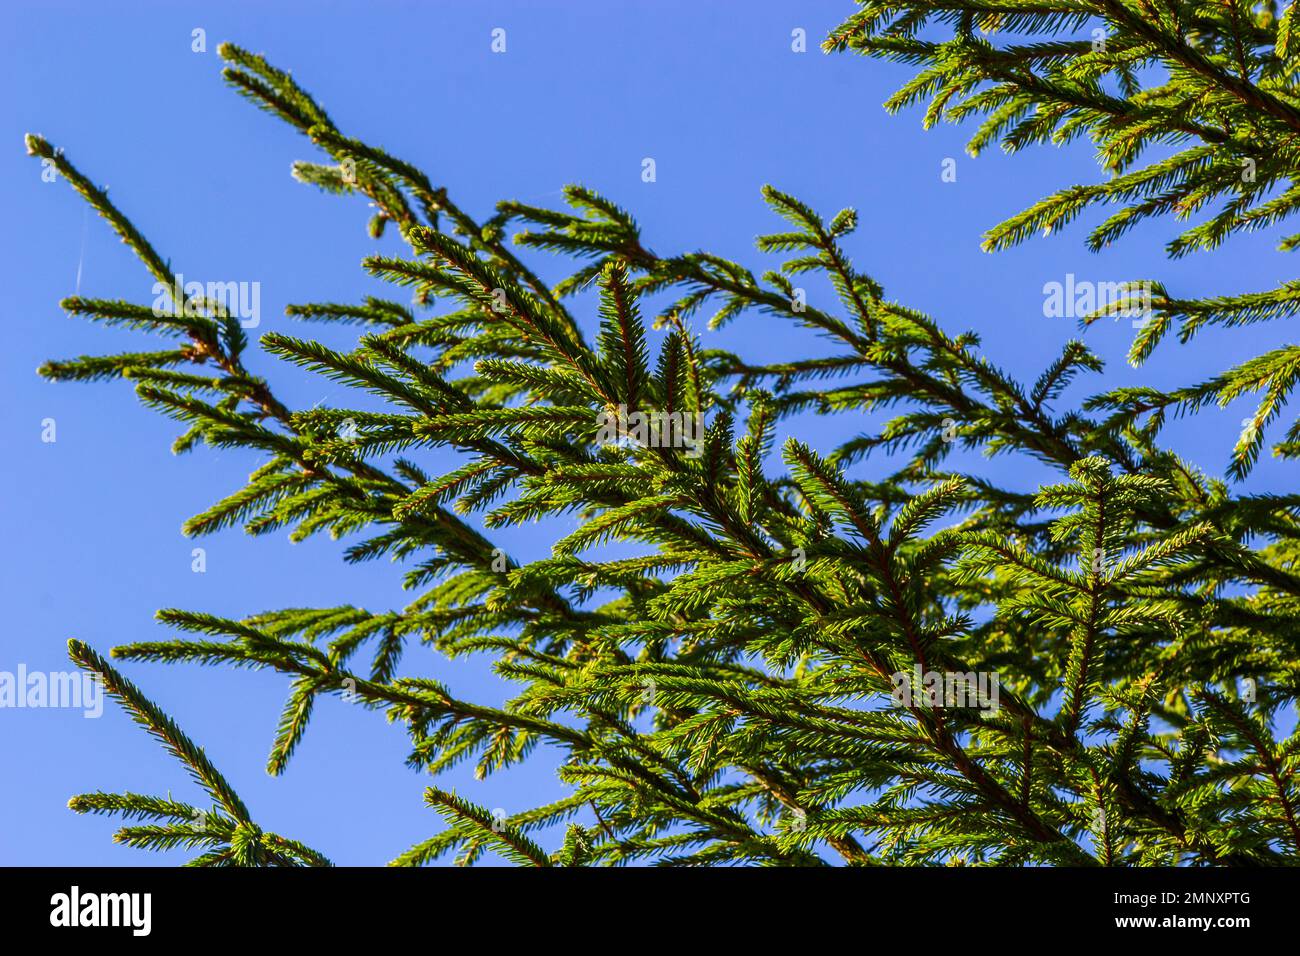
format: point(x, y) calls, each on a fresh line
point(723, 687)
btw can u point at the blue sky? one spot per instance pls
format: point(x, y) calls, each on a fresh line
point(585, 91)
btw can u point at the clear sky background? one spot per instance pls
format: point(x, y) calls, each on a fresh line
point(712, 91)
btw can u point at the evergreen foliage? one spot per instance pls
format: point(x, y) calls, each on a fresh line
point(1192, 107)
point(729, 693)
